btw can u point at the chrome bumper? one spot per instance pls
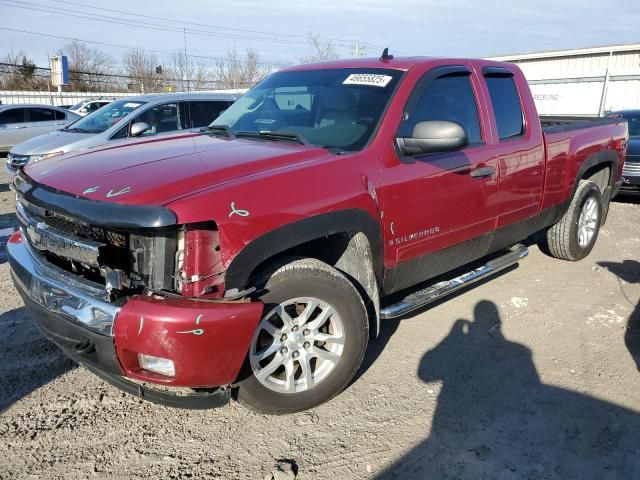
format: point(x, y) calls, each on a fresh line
point(61, 293)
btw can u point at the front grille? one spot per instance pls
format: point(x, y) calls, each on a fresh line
point(17, 161)
point(631, 166)
point(79, 229)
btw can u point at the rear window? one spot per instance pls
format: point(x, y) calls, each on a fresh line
point(506, 106)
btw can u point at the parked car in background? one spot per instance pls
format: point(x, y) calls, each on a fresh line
point(85, 107)
point(22, 122)
point(631, 169)
point(122, 119)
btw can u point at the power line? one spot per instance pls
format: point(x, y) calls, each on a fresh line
point(131, 23)
point(110, 75)
point(154, 26)
point(126, 47)
point(219, 27)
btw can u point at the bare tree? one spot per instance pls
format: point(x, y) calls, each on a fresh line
point(140, 67)
point(89, 68)
point(18, 72)
point(238, 71)
point(321, 49)
point(189, 73)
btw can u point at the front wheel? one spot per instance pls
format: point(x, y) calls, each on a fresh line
point(310, 342)
point(575, 234)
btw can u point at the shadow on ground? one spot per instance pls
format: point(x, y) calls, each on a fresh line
point(629, 271)
point(495, 419)
point(27, 359)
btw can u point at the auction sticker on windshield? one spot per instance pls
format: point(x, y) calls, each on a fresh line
point(370, 79)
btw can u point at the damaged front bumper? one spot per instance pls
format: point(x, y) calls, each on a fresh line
point(206, 341)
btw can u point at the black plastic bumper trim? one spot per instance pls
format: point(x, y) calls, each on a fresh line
point(93, 212)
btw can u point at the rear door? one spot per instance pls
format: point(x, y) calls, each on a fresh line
point(40, 120)
point(440, 208)
point(520, 151)
point(12, 122)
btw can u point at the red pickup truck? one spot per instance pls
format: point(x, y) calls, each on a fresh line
point(255, 259)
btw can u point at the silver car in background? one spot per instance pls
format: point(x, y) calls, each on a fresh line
point(21, 122)
point(85, 107)
point(140, 116)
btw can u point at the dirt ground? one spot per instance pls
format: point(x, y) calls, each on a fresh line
point(533, 375)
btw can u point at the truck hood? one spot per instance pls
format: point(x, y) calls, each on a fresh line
point(160, 170)
point(58, 141)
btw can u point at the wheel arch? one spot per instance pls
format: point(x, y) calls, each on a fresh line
point(349, 240)
point(595, 168)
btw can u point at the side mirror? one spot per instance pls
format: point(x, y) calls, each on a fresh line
point(434, 136)
point(139, 128)
point(83, 110)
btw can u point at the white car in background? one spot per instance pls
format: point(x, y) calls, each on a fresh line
point(85, 107)
point(146, 115)
point(20, 122)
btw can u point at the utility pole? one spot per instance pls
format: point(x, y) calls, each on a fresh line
point(186, 60)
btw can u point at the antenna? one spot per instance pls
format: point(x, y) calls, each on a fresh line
point(385, 55)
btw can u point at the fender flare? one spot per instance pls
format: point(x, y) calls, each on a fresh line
point(297, 233)
point(609, 157)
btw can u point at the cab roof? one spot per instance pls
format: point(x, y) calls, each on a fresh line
point(397, 63)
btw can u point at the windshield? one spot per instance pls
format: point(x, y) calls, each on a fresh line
point(105, 117)
point(337, 108)
point(77, 105)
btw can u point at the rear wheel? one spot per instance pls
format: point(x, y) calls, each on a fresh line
point(310, 342)
point(575, 234)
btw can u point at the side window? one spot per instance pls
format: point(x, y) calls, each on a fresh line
point(203, 112)
point(161, 118)
point(12, 115)
point(40, 115)
point(449, 98)
point(506, 106)
point(59, 115)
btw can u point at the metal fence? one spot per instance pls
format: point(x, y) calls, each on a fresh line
point(54, 98)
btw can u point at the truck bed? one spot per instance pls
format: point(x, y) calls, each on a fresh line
point(552, 124)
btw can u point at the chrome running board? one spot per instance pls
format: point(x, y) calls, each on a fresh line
point(441, 289)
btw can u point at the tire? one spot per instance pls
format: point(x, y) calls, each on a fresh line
point(568, 239)
point(329, 352)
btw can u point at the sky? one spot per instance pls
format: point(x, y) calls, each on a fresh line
point(278, 29)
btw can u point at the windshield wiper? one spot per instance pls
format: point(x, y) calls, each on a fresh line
point(219, 129)
point(278, 135)
point(78, 130)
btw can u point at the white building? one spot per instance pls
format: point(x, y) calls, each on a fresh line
point(586, 81)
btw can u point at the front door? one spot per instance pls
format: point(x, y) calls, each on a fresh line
point(440, 209)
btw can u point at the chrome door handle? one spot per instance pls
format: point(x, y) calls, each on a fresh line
point(23, 126)
point(482, 172)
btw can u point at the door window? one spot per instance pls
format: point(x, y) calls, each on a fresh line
point(506, 106)
point(40, 115)
point(161, 118)
point(201, 113)
point(59, 115)
point(12, 115)
point(450, 98)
